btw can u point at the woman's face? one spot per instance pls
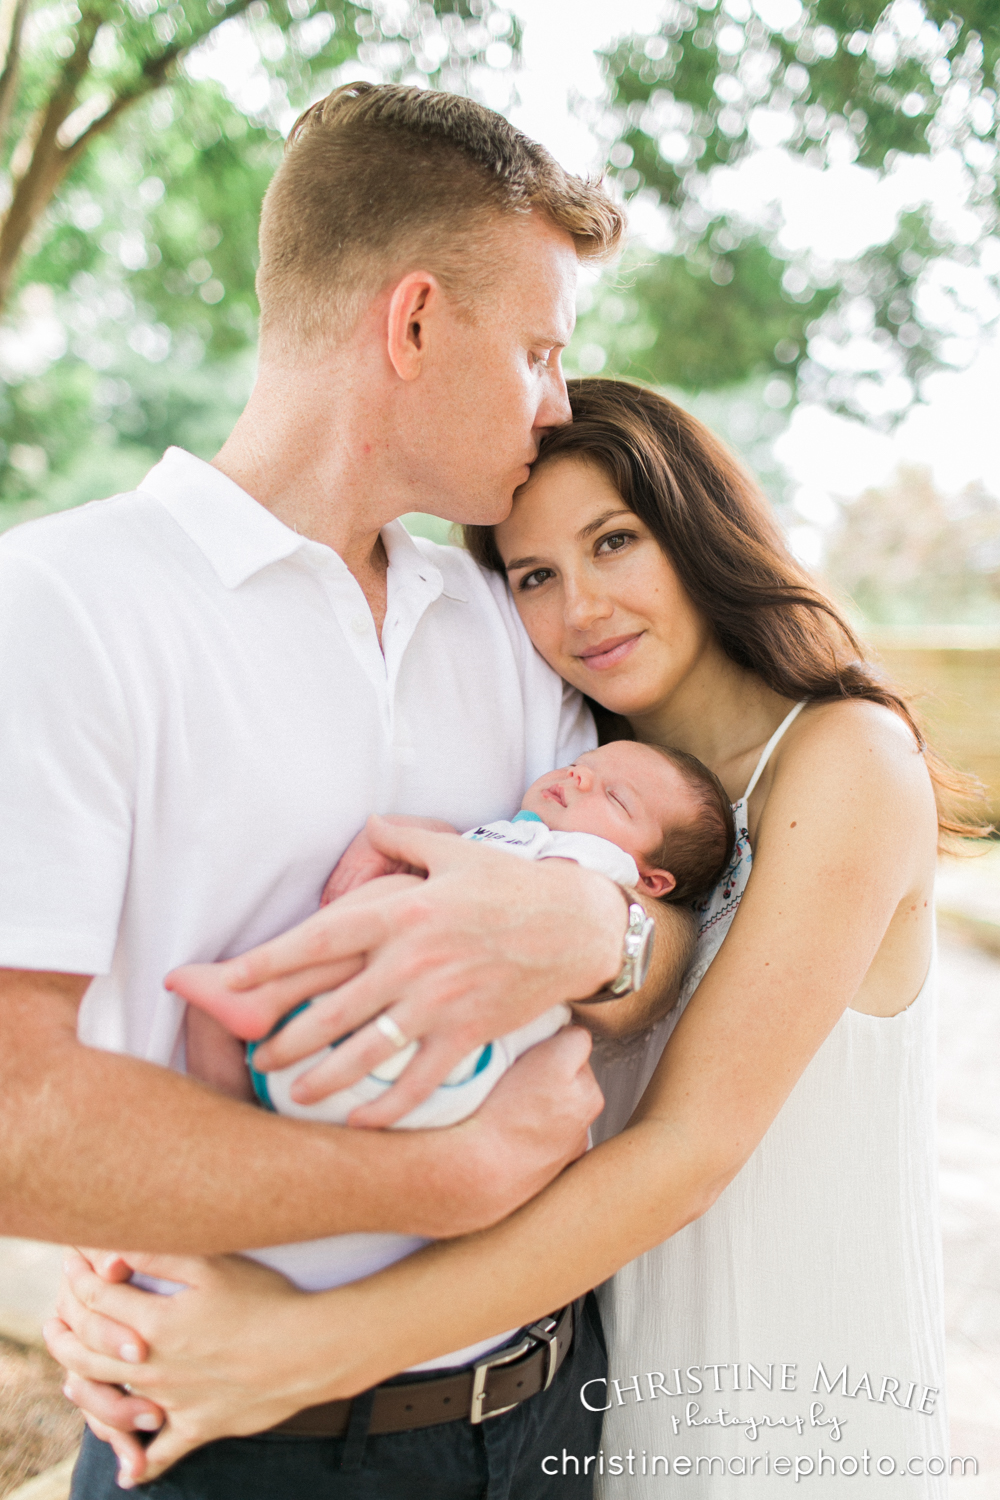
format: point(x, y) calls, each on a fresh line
point(598, 597)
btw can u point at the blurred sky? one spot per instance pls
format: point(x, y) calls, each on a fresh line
point(841, 210)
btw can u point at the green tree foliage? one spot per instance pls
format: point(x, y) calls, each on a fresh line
point(831, 80)
point(133, 316)
point(680, 322)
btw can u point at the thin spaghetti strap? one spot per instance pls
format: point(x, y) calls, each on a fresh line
point(768, 748)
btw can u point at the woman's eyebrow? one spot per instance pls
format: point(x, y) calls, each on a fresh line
point(608, 515)
point(588, 530)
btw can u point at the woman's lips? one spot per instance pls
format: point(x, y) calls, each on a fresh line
point(609, 653)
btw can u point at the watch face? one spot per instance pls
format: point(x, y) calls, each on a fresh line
point(644, 952)
point(643, 961)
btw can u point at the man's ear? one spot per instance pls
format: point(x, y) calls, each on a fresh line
point(414, 298)
point(656, 882)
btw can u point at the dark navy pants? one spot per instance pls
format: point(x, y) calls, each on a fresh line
point(501, 1459)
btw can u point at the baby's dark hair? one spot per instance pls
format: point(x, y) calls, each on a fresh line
point(697, 854)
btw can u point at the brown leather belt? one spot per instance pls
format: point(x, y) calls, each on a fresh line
point(496, 1383)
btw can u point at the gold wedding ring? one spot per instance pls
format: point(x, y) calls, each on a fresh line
point(391, 1031)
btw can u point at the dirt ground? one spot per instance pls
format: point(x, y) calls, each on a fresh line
point(38, 1427)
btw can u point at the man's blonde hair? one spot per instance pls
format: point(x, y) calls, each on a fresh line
point(378, 179)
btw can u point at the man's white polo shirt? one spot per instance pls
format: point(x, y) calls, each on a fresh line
point(197, 719)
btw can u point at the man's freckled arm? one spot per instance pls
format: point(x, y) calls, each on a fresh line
point(105, 1149)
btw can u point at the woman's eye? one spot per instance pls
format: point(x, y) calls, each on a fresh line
point(536, 579)
point(615, 541)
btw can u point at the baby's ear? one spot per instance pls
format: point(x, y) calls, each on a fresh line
point(656, 882)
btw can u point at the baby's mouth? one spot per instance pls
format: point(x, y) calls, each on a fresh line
point(556, 793)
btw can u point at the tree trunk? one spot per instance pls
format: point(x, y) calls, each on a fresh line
point(10, 45)
point(49, 161)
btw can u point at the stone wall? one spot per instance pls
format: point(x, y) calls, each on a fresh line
point(954, 674)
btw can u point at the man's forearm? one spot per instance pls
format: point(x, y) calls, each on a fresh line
point(107, 1150)
point(672, 948)
point(123, 1153)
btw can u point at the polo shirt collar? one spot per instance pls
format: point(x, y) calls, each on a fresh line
point(237, 534)
point(407, 560)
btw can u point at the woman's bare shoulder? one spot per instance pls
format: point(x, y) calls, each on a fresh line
point(854, 749)
point(853, 728)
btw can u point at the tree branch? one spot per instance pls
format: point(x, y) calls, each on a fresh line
point(155, 72)
point(13, 24)
point(45, 170)
point(49, 160)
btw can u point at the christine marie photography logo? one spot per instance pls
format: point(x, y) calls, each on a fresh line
point(797, 1466)
point(693, 1413)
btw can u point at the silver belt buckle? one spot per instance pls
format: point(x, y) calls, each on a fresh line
point(542, 1332)
point(545, 1332)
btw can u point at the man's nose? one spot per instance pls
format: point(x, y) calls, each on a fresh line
point(554, 410)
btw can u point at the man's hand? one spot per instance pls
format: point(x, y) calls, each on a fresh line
point(531, 1126)
point(484, 945)
point(362, 861)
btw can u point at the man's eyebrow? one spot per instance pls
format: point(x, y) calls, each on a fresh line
point(608, 515)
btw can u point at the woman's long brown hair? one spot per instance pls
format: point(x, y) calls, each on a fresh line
point(716, 527)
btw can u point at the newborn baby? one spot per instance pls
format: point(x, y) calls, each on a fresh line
point(652, 819)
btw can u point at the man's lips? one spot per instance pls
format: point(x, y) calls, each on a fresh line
point(610, 652)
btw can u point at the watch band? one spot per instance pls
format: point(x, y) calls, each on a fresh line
point(637, 951)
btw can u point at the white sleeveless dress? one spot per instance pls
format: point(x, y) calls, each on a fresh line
point(793, 1334)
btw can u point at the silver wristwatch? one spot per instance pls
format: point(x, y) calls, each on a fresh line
point(637, 951)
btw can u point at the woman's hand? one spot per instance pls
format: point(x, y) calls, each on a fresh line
point(226, 1357)
point(235, 1353)
point(113, 1414)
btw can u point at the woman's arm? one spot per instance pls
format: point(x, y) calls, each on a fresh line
point(844, 855)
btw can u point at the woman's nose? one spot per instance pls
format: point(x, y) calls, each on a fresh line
point(584, 607)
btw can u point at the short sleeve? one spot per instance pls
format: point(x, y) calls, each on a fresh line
point(66, 776)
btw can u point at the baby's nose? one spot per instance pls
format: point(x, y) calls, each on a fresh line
point(583, 778)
